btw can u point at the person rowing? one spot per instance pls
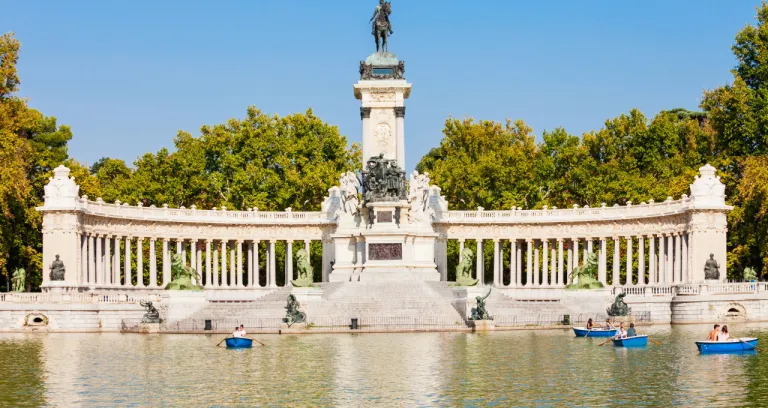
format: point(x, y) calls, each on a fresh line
point(631, 332)
point(590, 324)
point(622, 332)
point(608, 325)
point(714, 333)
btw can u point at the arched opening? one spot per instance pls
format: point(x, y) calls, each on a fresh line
point(733, 310)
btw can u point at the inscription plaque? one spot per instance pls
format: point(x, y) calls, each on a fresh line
point(384, 216)
point(385, 252)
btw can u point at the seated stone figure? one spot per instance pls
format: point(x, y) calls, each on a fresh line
point(464, 270)
point(306, 274)
point(182, 276)
point(152, 315)
point(586, 276)
point(292, 312)
point(619, 307)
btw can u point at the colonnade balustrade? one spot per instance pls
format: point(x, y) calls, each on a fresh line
point(648, 259)
point(109, 261)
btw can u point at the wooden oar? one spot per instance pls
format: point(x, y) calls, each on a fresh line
point(587, 335)
point(601, 344)
point(654, 341)
point(257, 341)
point(222, 341)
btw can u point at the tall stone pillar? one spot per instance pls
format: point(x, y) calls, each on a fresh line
point(116, 269)
point(641, 260)
point(108, 260)
point(615, 280)
point(199, 261)
point(224, 281)
point(140, 262)
point(400, 128)
point(128, 271)
point(496, 267)
point(684, 268)
point(99, 261)
point(575, 253)
point(272, 271)
point(461, 247)
point(670, 261)
point(91, 260)
point(652, 277)
point(256, 274)
point(215, 280)
point(545, 262)
point(289, 263)
point(513, 278)
point(232, 268)
point(480, 264)
point(629, 261)
point(166, 261)
point(152, 263)
point(570, 263)
point(553, 265)
point(536, 280)
point(602, 269)
point(529, 262)
point(560, 278)
point(590, 241)
point(208, 263)
point(519, 264)
point(239, 275)
point(708, 224)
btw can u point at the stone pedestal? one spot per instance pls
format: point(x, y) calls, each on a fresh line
point(63, 287)
point(464, 298)
point(308, 295)
point(181, 304)
point(483, 325)
point(149, 328)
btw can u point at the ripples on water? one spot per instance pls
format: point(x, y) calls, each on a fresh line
point(523, 368)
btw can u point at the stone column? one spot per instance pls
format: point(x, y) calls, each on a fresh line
point(589, 247)
point(512, 263)
point(116, 269)
point(240, 264)
point(461, 247)
point(108, 260)
point(545, 262)
point(193, 257)
point(560, 278)
point(289, 263)
point(586, 251)
point(224, 282)
point(272, 273)
point(480, 267)
point(570, 262)
point(215, 282)
point(679, 256)
point(496, 268)
point(99, 260)
point(365, 118)
point(166, 261)
point(652, 260)
point(553, 265)
point(249, 267)
point(629, 261)
point(575, 253)
point(400, 126)
point(256, 271)
point(684, 243)
point(140, 262)
point(662, 275)
point(208, 264)
point(83, 276)
point(128, 272)
point(529, 262)
point(232, 268)
point(152, 263)
point(536, 269)
point(199, 261)
point(616, 258)
point(641, 260)
point(602, 269)
point(519, 264)
point(670, 260)
point(91, 259)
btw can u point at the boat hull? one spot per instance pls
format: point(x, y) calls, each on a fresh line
point(636, 341)
point(239, 342)
point(741, 345)
point(583, 332)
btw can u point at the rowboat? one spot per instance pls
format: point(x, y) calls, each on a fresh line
point(584, 332)
point(636, 341)
point(730, 346)
point(239, 342)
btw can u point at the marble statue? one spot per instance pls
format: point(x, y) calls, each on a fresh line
point(383, 180)
point(464, 270)
point(381, 27)
point(19, 280)
point(152, 315)
point(182, 276)
point(349, 187)
point(57, 270)
point(418, 192)
point(292, 312)
point(306, 277)
point(711, 268)
point(619, 308)
point(585, 277)
point(480, 312)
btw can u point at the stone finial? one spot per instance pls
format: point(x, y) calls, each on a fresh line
point(480, 209)
point(707, 189)
point(194, 207)
point(575, 206)
point(289, 209)
point(602, 205)
point(546, 207)
point(118, 202)
point(165, 205)
point(139, 204)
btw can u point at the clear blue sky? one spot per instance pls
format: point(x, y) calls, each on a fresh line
point(127, 75)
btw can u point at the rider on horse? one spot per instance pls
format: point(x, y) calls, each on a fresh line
point(386, 16)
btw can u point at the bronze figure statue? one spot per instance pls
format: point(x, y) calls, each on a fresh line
point(57, 270)
point(382, 27)
point(711, 268)
point(480, 312)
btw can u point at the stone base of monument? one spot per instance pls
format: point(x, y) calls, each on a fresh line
point(622, 319)
point(464, 298)
point(63, 287)
point(182, 303)
point(149, 328)
point(298, 327)
point(308, 295)
point(483, 325)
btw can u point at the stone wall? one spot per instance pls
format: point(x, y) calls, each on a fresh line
point(68, 317)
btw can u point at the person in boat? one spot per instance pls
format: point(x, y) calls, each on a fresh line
point(242, 331)
point(590, 325)
point(631, 332)
point(237, 332)
point(608, 325)
point(714, 333)
point(622, 332)
point(724, 336)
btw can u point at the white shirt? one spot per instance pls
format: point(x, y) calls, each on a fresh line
point(242, 332)
point(237, 333)
point(723, 337)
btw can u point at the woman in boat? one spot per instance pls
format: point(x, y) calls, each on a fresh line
point(608, 325)
point(590, 325)
point(724, 336)
point(631, 332)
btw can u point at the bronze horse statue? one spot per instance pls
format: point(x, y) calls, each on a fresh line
point(382, 27)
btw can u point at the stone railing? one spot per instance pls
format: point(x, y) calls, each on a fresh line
point(693, 289)
point(668, 207)
point(165, 213)
point(77, 298)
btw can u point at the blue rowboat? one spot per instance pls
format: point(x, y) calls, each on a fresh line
point(584, 332)
point(636, 341)
point(239, 342)
point(731, 346)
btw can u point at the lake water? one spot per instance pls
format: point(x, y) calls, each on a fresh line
point(523, 368)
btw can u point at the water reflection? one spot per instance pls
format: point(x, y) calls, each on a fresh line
point(547, 368)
